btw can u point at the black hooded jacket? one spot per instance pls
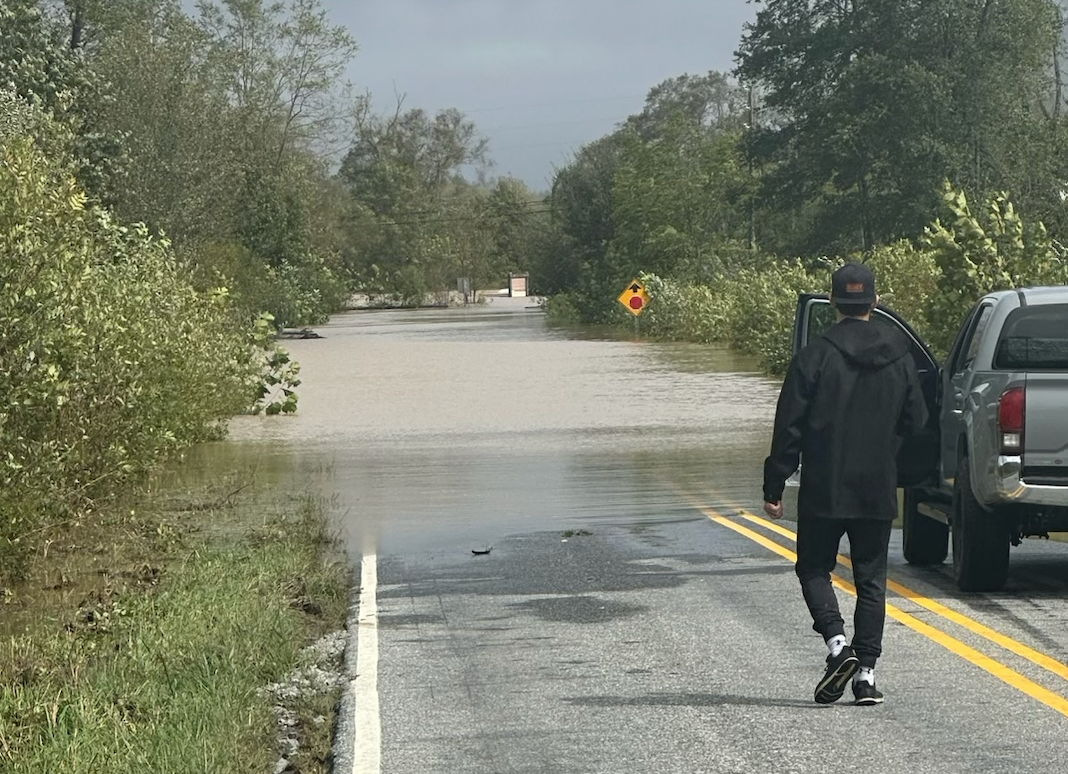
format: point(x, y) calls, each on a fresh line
point(848, 400)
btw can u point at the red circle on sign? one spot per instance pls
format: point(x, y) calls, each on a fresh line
point(636, 302)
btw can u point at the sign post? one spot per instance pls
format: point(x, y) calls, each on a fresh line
point(635, 299)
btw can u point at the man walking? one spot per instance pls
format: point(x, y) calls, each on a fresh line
point(848, 400)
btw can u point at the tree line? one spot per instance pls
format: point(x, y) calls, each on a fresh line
point(927, 137)
point(165, 205)
point(834, 137)
point(232, 131)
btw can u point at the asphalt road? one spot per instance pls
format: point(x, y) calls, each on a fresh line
point(632, 615)
point(685, 647)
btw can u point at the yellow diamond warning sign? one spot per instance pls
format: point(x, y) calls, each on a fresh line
point(634, 298)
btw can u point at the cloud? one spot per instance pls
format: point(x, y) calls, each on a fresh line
point(504, 54)
point(541, 77)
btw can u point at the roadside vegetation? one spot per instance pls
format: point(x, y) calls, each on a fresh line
point(927, 139)
point(158, 225)
point(170, 635)
point(931, 283)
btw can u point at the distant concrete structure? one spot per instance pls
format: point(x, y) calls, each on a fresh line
point(517, 285)
point(464, 287)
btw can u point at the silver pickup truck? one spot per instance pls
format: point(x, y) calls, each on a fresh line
point(991, 467)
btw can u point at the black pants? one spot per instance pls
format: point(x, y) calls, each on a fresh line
point(817, 546)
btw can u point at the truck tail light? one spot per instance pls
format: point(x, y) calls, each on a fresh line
point(1012, 409)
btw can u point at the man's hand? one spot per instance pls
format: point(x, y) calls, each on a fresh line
point(774, 510)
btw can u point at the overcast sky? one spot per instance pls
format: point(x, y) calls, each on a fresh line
point(539, 77)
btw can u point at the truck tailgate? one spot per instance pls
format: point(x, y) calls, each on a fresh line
point(1046, 428)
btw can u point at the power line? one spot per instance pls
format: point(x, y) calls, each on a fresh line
point(584, 141)
point(457, 219)
point(531, 203)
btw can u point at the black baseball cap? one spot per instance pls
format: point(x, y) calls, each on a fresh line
point(853, 283)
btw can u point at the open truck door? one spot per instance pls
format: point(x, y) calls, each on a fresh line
point(917, 462)
point(925, 541)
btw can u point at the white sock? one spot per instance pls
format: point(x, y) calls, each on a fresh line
point(836, 643)
point(865, 675)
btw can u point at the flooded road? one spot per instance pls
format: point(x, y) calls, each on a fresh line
point(454, 428)
point(635, 614)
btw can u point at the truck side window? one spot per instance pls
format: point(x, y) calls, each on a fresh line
point(970, 346)
point(1034, 338)
point(821, 319)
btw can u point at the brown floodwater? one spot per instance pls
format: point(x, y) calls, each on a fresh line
point(443, 429)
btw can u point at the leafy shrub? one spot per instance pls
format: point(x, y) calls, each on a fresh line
point(751, 309)
point(906, 278)
point(278, 382)
point(562, 308)
point(112, 357)
point(761, 307)
point(301, 294)
point(977, 254)
point(683, 312)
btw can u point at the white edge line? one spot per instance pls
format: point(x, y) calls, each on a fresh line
point(366, 722)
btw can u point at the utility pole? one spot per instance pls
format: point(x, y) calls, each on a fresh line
point(750, 127)
point(77, 20)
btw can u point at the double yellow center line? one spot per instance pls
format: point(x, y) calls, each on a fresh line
point(996, 668)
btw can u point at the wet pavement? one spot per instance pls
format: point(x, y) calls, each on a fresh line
point(666, 648)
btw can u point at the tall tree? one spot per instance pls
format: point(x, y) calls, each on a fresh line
point(680, 194)
point(168, 101)
point(40, 64)
point(409, 156)
point(285, 62)
point(582, 210)
point(516, 220)
point(407, 170)
point(870, 104)
point(711, 100)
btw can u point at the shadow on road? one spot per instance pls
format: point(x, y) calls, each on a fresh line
point(691, 700)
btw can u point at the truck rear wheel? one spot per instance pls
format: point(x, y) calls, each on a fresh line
point(924, 541)
point(980, 539)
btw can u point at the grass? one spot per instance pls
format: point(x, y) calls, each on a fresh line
point(144, 639)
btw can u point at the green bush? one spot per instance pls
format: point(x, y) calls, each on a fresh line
point(681, 312)
point(563, 308)
point(906, 278)
point(302, 294)
point(112, 358)
point(762, 305)
point(931, 285)
point(751, 309)
point(976, 255)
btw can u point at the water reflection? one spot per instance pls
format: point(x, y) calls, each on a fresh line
point(449, 429)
